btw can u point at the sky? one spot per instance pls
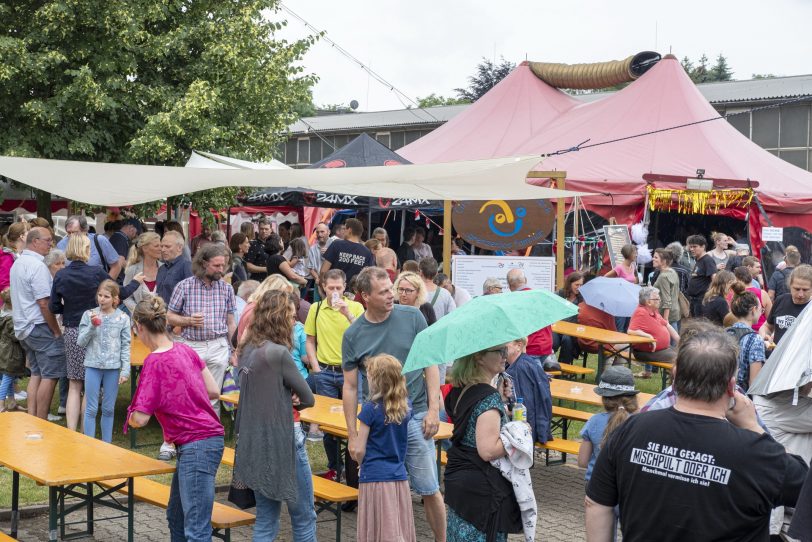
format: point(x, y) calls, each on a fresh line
point(423, 47)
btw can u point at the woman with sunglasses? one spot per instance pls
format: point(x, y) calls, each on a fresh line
point(481, 502)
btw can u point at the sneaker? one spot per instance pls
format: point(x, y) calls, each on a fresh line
point(316, 436)
point(329, 475)
point(167, 454)
point(21, 395)
point(349, 506)
point(61, 410)
point(54, 417)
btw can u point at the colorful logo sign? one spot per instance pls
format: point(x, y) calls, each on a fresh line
point(504, 215)
point(503, 225)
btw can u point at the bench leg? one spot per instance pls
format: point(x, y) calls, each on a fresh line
point(338, 522)
point(53, 496)
point(664, 376)
point(15, 502)
point(130, 509)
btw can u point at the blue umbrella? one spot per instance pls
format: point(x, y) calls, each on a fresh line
point(616, 296)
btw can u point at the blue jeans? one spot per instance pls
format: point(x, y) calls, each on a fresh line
point(329, 384)
point(421, 458)
point(7, 387)
point(95, 381)
point(191, 498)
point(302, 513)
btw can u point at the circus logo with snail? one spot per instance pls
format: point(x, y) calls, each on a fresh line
point(503, 225)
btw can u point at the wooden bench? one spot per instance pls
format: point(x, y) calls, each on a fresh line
point(570, 370)
point(665, 366)
point(223, 518)
point(565, 416)
point(329, 495)
point(561, 445)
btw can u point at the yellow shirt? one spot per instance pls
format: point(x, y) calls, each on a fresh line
point(329, 329)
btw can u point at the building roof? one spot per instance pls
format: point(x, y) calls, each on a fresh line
point(721, 93)
point(377, 119)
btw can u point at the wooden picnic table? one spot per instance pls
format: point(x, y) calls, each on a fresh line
point(601, 336)
point(138, 353)
point(328, 413)
point(68, 463)
point(581, 392)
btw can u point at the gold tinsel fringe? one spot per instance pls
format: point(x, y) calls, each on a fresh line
point(698, 201)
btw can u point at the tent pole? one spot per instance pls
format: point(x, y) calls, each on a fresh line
point(576, 235)
point(559, 178)
point(447, 237)
point(560, 225)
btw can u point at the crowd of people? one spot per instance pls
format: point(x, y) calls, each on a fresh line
point(336, 316)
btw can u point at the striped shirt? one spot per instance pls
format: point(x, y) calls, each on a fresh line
point(215, 302)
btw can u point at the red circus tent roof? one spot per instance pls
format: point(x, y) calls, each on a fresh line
point(664, 97)
point(523, 115)
point(509, 114)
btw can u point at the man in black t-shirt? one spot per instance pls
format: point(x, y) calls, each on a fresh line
point(787, 307)
point(701, 470)
point(348, 254)
point(702, 275)
point(256, 260)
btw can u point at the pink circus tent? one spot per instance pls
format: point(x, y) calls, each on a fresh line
point(508, 115)
point(662, 98)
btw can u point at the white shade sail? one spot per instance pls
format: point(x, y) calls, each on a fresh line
point(127, 184)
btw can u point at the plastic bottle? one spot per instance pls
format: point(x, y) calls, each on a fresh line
point(519, 411)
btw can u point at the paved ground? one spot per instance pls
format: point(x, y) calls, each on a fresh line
point(559, 492)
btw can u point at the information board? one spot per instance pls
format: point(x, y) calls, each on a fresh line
point(616, 237)
point(772, 234)
point(470, 272)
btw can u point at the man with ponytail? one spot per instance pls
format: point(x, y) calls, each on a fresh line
point(702, 469)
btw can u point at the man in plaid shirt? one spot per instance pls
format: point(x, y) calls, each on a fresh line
point(203, 306)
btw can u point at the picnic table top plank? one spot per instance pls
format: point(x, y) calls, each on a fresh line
point(599, 335)
point(63, 457)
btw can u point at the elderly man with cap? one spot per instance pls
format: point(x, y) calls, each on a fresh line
point(703, 469)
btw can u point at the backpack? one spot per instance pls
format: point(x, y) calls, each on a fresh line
point(781, 287)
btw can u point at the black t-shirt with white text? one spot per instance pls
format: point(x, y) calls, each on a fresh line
point(348, 256)
point(701, 277)
point(680, 476)
point(783, 315)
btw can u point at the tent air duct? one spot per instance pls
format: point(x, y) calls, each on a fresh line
point(595, 75)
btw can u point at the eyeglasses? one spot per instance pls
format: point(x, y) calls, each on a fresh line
point(503, 352)
point(406, 291)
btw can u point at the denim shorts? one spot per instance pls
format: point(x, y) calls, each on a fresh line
point(421, 459)
point(46, 355)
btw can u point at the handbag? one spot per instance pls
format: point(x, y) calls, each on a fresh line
point(241, 495)
point(231, 384)
point(684, 305)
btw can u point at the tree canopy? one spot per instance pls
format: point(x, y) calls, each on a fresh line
point(146, 82)
point(702, 72)
point(488, 73)
point(434, 100)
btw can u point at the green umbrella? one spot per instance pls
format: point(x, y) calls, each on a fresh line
point(484, 322)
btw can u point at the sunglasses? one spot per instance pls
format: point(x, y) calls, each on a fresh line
point(503, 352)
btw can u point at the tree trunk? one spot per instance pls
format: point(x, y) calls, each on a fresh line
point(44, 205)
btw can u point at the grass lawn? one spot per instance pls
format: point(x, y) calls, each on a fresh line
point(150, 438)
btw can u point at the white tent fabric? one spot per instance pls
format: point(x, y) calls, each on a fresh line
point(127, 184)
point(790, 364)
point(209, 160)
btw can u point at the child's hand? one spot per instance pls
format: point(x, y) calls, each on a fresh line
point(122, 379)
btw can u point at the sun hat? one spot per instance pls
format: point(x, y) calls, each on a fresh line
point(615, 381)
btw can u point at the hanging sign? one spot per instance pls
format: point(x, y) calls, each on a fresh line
point(772, 234)
point(503, 225)
point(616, 237)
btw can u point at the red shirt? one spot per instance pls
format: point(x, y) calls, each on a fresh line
point(652, 323)
point(540, 343)
point(590, 316)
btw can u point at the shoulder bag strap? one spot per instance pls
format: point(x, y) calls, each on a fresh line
point(102, 259)
point(434, 300)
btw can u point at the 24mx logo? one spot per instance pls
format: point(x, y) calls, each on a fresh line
point(504, 215)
